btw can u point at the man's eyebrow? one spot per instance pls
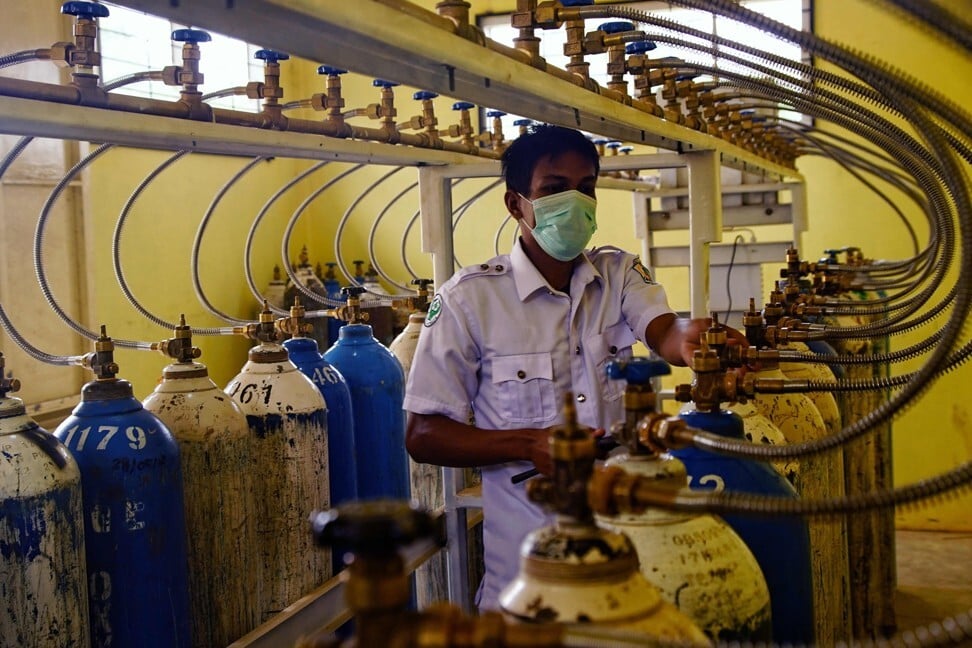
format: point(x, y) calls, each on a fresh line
point(555, 176)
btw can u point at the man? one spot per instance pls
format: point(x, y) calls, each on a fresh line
point(505, 340)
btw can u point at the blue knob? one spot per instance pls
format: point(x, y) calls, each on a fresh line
point(639, 47)
point(600, 142)
point(576, 3)
point(625, 149)
point(495, 113)
point(330, 71)
point(523, 122)
point(84, 9)
point(637, 371)
point(616, 27)
point(381, 83)
point(463, 105)
point(613, 145)
point(271, 56)
point(191, 36)
point(422, 95)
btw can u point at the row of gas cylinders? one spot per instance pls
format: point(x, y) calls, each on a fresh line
point(247, 546)
point(100, 519)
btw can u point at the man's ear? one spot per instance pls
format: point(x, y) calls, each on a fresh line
point(512, 201)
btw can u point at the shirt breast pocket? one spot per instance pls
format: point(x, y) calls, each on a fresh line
point(613, 343)
point(525, 386)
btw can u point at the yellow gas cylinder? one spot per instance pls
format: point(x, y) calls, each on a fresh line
point(214, 447)
point(867, 468)
point(576, 572)
point(817, 477)
point(698, 563)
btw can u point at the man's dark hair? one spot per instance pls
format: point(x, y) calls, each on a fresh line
point(541, 141)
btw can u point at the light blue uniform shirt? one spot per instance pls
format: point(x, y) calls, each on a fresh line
point(501, 345)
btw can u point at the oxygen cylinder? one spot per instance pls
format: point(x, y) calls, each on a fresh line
point(217, 481)
point(576, 572)
point(377, 386)
point(287, 418)
point(781, 546)
point(697, 562)
point(134, 515)
point(42, 571)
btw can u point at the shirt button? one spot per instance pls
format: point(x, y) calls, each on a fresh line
point(499, 268)
point(581, 398)
point(521, 374)
point(577, 350)
point(613, 350)
point(484, 266)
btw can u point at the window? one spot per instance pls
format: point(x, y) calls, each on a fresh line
point(794, 13)
point(131, 41)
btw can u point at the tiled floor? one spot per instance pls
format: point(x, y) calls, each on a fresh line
point(934, 576)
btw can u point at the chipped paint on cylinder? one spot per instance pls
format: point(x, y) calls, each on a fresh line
point(697, 562)
point(577, 573)
point(42, 573)
point(819, 477)
point(286, 415)
point(213, 441)
point(305, 354)
point(425, 480)
point(134, 519)
point(781, 545)
point(377, 384)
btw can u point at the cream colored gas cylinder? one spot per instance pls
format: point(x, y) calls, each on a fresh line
point(697, 562)
point(818, 477)
point(42, 560)
point(217, 476)
point(431, 584)
point(286, 415)
point(825, 402)
point(579, 573)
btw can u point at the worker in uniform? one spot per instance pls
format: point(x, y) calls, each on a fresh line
point(505, 340)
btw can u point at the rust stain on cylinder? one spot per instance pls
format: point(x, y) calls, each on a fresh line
point(290, 471)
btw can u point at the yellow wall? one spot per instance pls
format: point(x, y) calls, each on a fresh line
point(158, 238)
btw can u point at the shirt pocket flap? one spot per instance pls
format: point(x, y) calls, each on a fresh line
point(611, 341)
point(523, 367)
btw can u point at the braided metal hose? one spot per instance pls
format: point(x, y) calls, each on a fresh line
point(201, 230)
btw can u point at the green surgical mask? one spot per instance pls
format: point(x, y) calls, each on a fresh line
point(565, 223)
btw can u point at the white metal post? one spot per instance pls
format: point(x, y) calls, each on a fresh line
point(705, 223)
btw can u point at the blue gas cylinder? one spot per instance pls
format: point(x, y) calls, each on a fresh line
point(134, 524)
point(42, 574)
point(781, 545)
point(340, 422)
point(377, 385)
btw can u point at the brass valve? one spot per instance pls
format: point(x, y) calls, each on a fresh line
point(712, 383)
point(7, 384)
point(102, 360)
point(573, 452)
point(420, 302)
point(351, 311)
point(264, 330)
point(179, 346)
point(294, 325)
